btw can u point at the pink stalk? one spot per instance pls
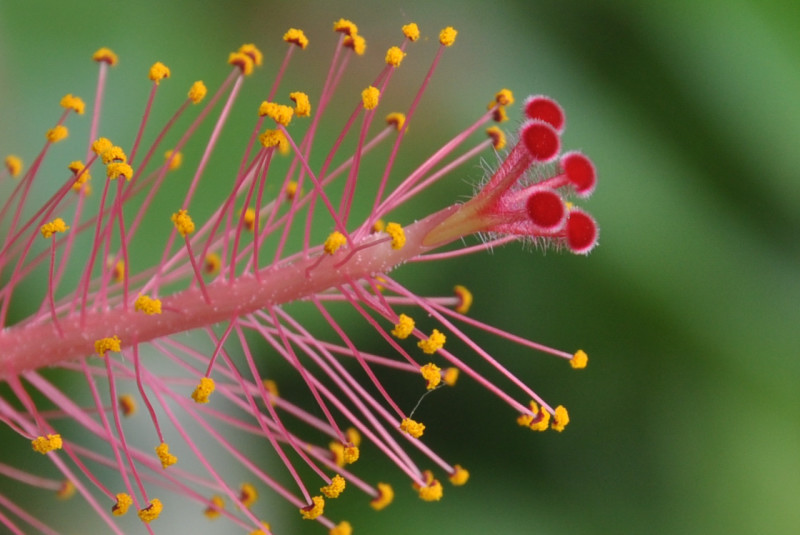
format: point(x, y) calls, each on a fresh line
point(98, 106)
point(114, 446)
point(362, 400)
point(24, 515)
point(50, 299)
point(147, 109)
point(36, 346)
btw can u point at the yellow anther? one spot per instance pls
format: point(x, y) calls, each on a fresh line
point(106, 55)
point(540, 420)
point(73, 103)
point(379, 226)
point(431, 373)
point(334, 240)
point(158, 72)
point(432, 490)
point(464, 299)
point(434, 342)
point(398, 235)
point(243, 61)
point(66, 490)
point(342, 528)
point(296, 37)
point(357, 43)
point(47, 443)
point(175, 160)
point(104, 345)
point(343, 454)
point(412, 427)
point(384, 498)
point(250, 219)
point(54, 226)
point(215, 507)
point(448, 36)
point(127, 405)
point(526, 419)
point(499, 115)
point(335, 488)
point(183, 222)
point(451, 376)
point(166, 458)
point(203, 390)
point(370, 97)
point(82, 187)
point(560, 419)
point(277, 112)
point(124, 502)
point(337, 451)
point(459, 476)
point(291, 190)
point(118, 271)
point(345, 26)
point(78, 168)
point(504, 97)
point(271, 387)
point(275, 138)
point(317, 507)
point(579, 360)
point(352, 434)
point(151, 512)
point(114, 153)
point(396, 119)
point(114, 170)
point(302, 106)
point(13, 164)
point(101, 145)
point(498, 137)
point(431, 493)
point(264, 531)
point(411, 31)
point(197, 92)
point(350, 454)
point(394, 56)
point(57, 133)
point(212, 263)
point(253, 52)
point(248, 495)
point(404, 327)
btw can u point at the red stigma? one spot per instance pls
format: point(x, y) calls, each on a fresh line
point(580, 172)
point(545, 109)
point(581, 232)
point(546, 210)
point(541, 140)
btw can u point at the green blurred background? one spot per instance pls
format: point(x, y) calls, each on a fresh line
point(687, 419)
